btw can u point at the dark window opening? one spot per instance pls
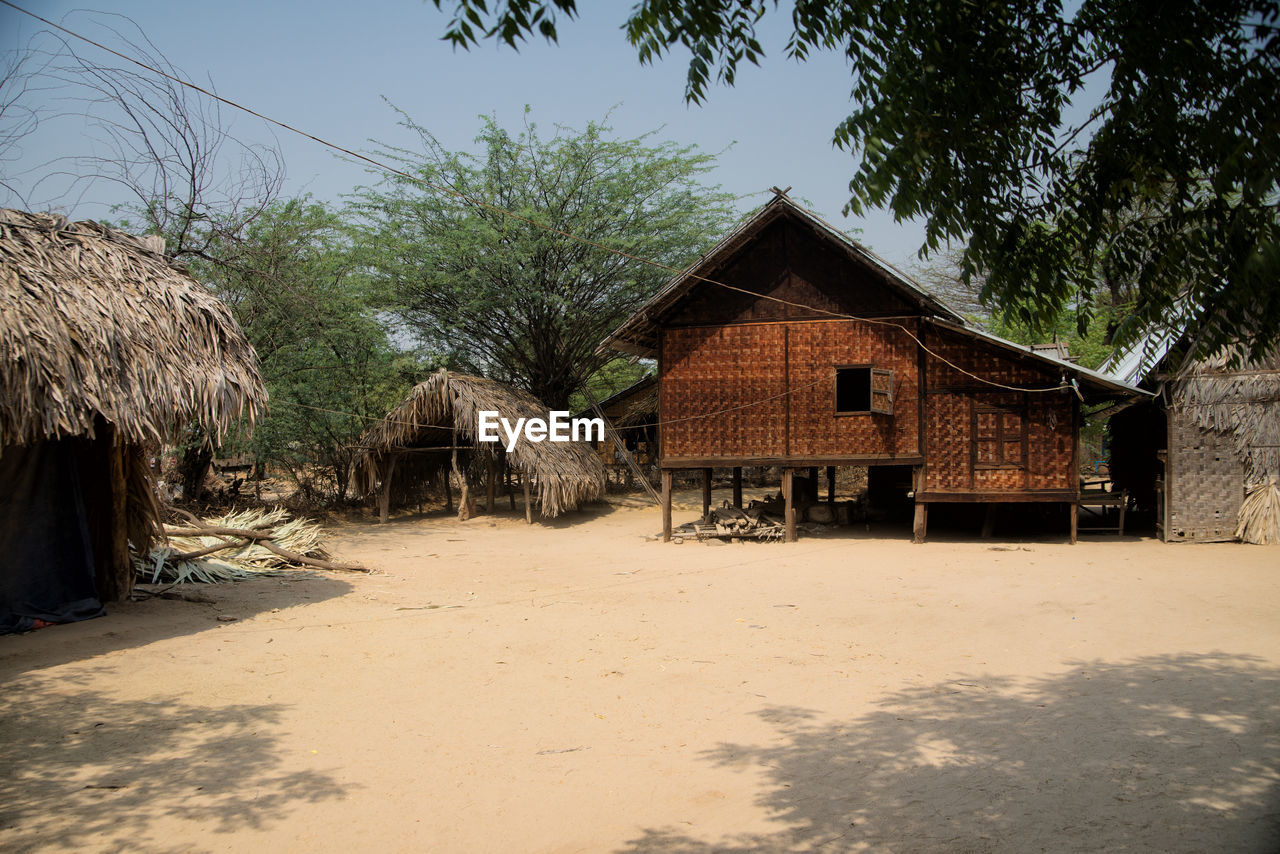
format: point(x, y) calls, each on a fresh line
point(863, 389)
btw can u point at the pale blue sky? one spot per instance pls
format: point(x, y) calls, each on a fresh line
point(326, 66)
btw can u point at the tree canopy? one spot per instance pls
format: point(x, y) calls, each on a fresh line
point(513, 297)
point(1067, 147)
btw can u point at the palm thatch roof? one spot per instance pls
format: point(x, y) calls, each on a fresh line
point(96, 322)
point(444, 413)
point(1240, 401)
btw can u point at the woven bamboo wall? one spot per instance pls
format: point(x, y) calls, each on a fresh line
point(1041, 422)
point(712, 369)
point(1204, 482)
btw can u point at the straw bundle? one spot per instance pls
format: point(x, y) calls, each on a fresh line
point(94, 321)
point(444, 412)
point(1260, 515)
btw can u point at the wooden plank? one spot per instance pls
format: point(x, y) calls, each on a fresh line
point(667, 475)
point(790, 462)
point(1006, 497)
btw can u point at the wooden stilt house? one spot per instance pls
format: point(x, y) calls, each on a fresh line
point(790, 345)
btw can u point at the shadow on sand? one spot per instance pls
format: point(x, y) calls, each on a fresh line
point(1158, 754)
point(79, 770)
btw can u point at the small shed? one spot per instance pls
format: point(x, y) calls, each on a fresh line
point(435, 431)
point(106, 349)
point(1209, 439)
point(790, 345)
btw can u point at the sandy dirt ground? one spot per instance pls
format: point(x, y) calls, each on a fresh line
point(577, 686)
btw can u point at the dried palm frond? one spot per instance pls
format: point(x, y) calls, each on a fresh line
point(1260, 515)
point(96, 322)
point(181, 560)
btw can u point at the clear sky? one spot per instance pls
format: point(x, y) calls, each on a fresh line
point(326, 67)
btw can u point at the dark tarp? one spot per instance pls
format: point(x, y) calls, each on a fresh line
point(46, 555)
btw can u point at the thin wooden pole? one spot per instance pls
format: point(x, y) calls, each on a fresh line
point(1074, 510)
point(384, 499)
point(511, 493)
point(528, 498)
point(831, 484)
point(920, 525)
point(737, 487)
point(464, 490)
point(666, 505)
point(491, 487)
point(788, 499)
point(706, 496)
point(448, 492)
point(121, 571)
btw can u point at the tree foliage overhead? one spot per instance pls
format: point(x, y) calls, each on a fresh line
point(513, 297)
point(1067, 146)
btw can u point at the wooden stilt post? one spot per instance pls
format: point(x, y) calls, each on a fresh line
point(464, 490)
point(528, 498)
point(384, 498)
point(789, 503)
point(989, 521)
point(831, 484)
point(511, 493)
point(491, 487)
point(1074, 509)
point(737, 487)
point(666, 505)
point(448, 492)
point(920, 525)
point(813, 483)
point(706, 496)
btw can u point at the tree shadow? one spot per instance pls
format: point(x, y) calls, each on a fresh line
point(81, 770)
point(1162, 753)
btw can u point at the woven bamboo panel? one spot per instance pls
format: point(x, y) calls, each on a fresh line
point(1051, 444)
point(948, 450)
point(815, 351)
point(985, 361)
point(713, 383)
point(1204, 483)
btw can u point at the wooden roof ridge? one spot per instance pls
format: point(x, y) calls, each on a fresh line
point(624, 338)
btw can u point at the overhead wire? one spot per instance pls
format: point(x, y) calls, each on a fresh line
point(1061, 386)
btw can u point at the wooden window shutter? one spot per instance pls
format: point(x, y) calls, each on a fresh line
point(882, 391)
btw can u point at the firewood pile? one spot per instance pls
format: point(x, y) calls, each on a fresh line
point(759, 521)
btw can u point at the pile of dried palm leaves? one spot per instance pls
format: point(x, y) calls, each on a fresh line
point(1260, 515)
point(239, 545)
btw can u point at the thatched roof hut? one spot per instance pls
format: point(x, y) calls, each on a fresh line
point(105, 347)
point(417, 439)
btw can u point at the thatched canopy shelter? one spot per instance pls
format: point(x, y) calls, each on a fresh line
point(418, 439)
point(105, 347)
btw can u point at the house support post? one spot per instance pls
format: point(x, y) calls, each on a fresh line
point(789, 503)
point(528, 498)
point(813, 484)
point(511, 493)
point(448, 492)
point(831, 484)
point(1074, 510)
point(116, 582)
point(491, 487)
point(384, 496)
point(706, 496)
point(666, 505)
point(920, 525)
point(737, 487)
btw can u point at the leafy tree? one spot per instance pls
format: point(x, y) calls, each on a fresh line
point(511, 296)
point(298, 288)
point(985, 119)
